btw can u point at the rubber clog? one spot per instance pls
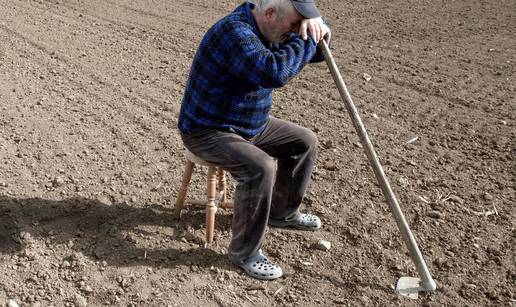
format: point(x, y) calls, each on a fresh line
point(303, 222)
point(258, 266)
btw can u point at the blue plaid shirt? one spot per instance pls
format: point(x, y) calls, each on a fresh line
point(233, 73)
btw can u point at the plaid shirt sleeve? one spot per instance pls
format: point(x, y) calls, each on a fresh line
point(249, 58)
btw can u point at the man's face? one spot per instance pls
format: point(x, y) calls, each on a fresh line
point(278, 28)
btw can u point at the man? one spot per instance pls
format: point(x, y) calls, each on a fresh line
point(224, 118)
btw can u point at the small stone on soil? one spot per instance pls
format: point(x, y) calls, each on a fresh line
point(488, 196)
point(330, 165)
point(440, 262)
point(435, 214)
point(12, 303)
point(58, 181)
point(449, 253)
point(86, 289)
point(457, 199)
point(80, 301)
point(323, 245)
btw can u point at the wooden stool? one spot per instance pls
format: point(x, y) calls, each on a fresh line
point(214, 199)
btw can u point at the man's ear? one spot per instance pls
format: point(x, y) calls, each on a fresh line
point(270, 14)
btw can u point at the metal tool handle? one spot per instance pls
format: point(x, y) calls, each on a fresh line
point(428, 282)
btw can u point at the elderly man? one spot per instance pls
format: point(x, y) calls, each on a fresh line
point(225, 118)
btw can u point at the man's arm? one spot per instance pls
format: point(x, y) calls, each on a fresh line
point(248, 58)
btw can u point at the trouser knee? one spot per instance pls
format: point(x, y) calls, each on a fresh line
point(309, 139)
point(266, 169)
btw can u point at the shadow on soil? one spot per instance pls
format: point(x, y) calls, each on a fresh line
point(108, 233)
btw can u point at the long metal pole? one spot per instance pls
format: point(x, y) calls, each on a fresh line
point(428, 283)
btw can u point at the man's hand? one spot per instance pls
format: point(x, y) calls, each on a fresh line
point(317, 29)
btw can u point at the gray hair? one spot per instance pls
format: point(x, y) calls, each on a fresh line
point(282, 7)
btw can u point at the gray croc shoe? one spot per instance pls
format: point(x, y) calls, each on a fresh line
point(303, 222)
point(258, 266)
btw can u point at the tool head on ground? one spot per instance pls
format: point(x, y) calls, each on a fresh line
point(411, 286)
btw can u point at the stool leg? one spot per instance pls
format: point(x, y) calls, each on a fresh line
point(211, 209)
point(222, 187)
point(187, 175)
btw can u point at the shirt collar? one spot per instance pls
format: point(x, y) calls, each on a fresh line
point(248, 6)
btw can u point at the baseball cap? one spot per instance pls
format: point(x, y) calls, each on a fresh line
point(306, 8)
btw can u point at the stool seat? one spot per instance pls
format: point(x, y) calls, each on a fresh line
point(195, 159)
point(213, 199)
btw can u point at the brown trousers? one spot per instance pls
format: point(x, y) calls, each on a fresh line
point(262, 189)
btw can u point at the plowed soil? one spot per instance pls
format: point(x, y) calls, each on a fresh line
point(91, 161)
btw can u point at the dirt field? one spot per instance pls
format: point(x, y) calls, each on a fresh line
point(90, 159)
